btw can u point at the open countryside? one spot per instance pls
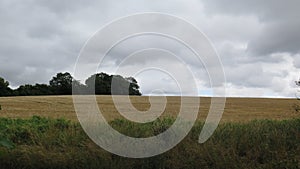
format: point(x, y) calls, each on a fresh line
point(172, 61)
point(43, 132)
point(236, 109)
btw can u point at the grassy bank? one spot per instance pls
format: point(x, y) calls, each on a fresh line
point(57, 143)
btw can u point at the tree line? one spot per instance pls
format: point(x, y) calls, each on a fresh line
point(61, 84)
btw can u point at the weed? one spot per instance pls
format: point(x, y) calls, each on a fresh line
point(6, 143)
point(58, 143)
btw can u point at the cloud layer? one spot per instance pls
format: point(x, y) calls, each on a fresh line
point(257, 41)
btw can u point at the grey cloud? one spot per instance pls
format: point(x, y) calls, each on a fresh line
point(266, 11)
point(62, 7)
point(249, 75)
point(34, 44)
point(280, 20)
point(296, 61)
point(40, 38)
point(150, 42)
point(277, 38)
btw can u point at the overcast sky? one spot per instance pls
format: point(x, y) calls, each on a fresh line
point(258, 41)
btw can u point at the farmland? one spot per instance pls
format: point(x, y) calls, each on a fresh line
point(236, 109)
point(254, 133)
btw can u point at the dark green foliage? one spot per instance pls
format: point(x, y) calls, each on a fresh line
point(33, 90)
point(104, 84)
point(133, 86)
point(61, 84)
point(4, 89)
point(6, 143)
point(99, 83)
point(48, 143)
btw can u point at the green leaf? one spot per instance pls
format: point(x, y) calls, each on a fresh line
point(6, 143)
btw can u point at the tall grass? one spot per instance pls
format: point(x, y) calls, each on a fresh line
point(58, 143)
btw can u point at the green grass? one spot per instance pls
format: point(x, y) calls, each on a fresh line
point(58, 143)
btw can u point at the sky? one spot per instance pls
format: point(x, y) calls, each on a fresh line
point(258, 43)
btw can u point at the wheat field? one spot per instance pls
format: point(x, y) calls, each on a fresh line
point(236, 109)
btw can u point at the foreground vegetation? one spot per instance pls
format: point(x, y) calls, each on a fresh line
point(58, 143)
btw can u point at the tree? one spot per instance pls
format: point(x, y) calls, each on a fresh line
point(104, 84)
point(134, 88)
point(78, 88)
point(4, 89)
point(42, 89)
point(100, 83)
point(24, 90)
point(33, 90)
point(61, 84)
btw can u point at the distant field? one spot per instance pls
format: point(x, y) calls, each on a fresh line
point(236, 110)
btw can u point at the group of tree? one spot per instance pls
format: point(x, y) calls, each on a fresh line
point(63, 83)
point(4, 89)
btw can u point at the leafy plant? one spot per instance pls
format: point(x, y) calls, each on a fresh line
point(59, 143)
point(6, 143)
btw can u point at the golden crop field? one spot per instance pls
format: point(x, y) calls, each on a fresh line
point(236, 109)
